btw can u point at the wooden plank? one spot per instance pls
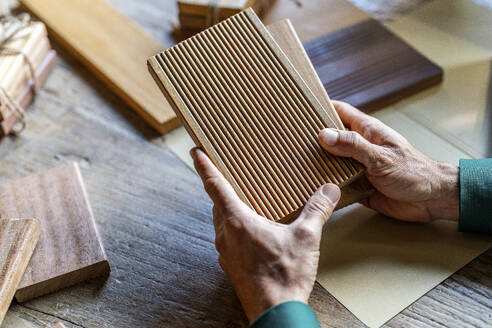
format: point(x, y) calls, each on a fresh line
point(112, 47)
point(256, 138)
point(18, 238)
point(369, 67)
point(69, 250)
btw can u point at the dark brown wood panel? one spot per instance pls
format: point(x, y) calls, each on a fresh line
point(369, 67)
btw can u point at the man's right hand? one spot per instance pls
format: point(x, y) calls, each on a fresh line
point(410, 186)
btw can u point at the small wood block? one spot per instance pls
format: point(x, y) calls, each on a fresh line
point(369, 67)
point(69, 249)
point(241, 99)
point(25, 98)
point(112, 47)
point(227, 8)
point(18, 238)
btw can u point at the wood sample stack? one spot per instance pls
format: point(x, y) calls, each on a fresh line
point(20, 76)
point(201, 14)
point(242, 100)
point(18, 238)
point(69, 250)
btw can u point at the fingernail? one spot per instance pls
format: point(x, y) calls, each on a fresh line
point(332, 192)
point(329, 137)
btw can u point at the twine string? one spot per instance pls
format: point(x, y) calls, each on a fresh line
point(7, 103)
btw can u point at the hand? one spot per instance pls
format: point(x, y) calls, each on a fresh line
point(267, 262)
point(410, 186)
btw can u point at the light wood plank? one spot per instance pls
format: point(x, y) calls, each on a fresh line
point(18, 238)
point(112, 47)
point(69, 249)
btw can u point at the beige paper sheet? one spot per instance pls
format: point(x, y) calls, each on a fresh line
point(376, 266)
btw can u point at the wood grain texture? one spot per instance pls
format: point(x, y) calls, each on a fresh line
point(112, 47)
point(286, 37)
point(243, 101)
point(369, 67)
point(140, 193)
point(26, 96)
point(69, 250)
point(18, 238)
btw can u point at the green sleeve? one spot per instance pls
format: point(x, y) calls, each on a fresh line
point(476, 195)
point(290, 314)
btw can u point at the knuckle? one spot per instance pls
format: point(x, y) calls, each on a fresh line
point(352, 138)
point(305, 232)
point(234, 224)
point(211, 185)
point(320, 205)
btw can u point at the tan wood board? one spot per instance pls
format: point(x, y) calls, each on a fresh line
point(112, 47)
point(242, 101)
point(69, 249)
point(18, 238)
point(227, 8)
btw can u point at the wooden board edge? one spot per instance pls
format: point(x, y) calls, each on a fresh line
point(99, 269)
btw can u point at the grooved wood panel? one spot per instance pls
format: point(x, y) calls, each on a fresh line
point(286, 37)
point(369, 67)
point(112, 47)
point(18, 238)
point(69, 249)
point(243, 102)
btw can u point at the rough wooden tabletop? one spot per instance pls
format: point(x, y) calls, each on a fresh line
point(155, 219)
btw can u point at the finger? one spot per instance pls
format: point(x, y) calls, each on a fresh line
point(350, 144)
point(318, 209)
point(400, 210)
point(216, 186)
point(369, 127)
point(349, 114)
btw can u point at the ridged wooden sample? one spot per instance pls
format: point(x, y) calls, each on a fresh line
point(18, 238)
point(241, 99)
point(369, 67)
point(286, 37)
point(69, 249)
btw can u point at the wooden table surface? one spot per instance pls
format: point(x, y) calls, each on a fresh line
point(155, 219)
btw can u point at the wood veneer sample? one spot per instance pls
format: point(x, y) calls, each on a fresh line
point(286, 37)
point(112, 47)
point(18, 238)
point(69, 249)
point(369, 67)
point(241, 99)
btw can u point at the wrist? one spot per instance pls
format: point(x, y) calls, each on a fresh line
point(446, 201)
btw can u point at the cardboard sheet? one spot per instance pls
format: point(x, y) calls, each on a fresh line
point(376, 266)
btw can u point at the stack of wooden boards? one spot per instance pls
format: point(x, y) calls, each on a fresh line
point(118, 63)
point(201, 14)
point(69, 249)
point(241, 98)
point(16, 71)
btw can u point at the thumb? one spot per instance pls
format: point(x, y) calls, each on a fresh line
point(318, 209)
point(349, 144)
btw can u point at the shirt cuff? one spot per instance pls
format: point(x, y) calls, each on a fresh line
point(292, 314)
point(475, 195)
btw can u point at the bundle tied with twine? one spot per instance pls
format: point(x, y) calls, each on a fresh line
point(10, 27)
